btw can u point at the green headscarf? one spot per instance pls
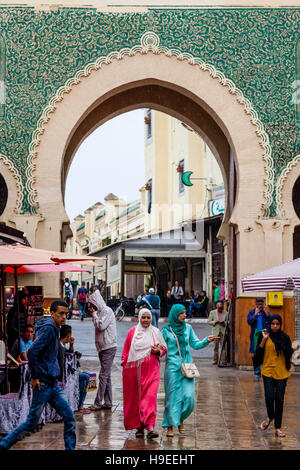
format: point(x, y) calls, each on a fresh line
point(177, 326)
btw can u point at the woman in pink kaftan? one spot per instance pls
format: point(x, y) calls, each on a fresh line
point(143, 347)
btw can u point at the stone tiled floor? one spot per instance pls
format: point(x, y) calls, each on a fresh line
point(229, 408)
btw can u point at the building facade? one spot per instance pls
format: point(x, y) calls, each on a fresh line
point(228, 71)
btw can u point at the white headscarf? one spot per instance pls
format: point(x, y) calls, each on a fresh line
point(143, 340)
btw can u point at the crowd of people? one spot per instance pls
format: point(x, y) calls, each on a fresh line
point(144, 346)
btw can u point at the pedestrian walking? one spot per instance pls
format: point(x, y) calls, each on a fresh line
point(154, 301)
point(259, 320)
point(143, 347)
point(177, 293)
point(179, 390)
point(44, 368)
point(274, 352)
point(217, 319)
point(82, 299)
point(106, 344)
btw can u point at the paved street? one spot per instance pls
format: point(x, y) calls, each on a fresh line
point(229, 409)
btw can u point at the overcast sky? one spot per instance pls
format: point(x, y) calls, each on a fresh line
point(110, 160)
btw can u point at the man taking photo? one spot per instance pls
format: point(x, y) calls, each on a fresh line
point(259, 319)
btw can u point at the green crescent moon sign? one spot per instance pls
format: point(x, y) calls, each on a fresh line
point(185, 178)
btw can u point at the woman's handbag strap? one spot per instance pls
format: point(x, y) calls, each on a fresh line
point(177, 344)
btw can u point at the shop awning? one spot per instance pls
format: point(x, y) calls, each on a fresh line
point(170, 244)
point(279, 278)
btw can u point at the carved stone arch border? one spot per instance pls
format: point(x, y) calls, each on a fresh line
point(18, 181)
point(150, 42)
point(281, 182)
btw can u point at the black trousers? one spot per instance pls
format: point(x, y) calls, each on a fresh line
point(274, 396)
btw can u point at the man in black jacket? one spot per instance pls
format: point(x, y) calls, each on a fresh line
point(43, 364)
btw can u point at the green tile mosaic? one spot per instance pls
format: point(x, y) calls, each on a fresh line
point(257, 49)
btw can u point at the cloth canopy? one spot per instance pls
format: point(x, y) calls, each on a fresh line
point(47, 256)
point(46, 268)
point(280, 278)
point(11, 255)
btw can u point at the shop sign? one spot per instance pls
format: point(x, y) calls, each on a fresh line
point(216, 207)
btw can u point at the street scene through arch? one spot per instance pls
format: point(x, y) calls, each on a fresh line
point(175, 220)
point(216, 87)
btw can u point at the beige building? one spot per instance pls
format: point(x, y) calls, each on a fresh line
point(103, 225)
point(171, 148)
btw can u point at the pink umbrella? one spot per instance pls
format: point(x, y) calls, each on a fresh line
point(54, 256)
point(280, 278)
point(46, 268)
point(11, 255)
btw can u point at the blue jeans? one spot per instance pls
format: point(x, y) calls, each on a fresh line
point(81, 308)
point(83, 383)
point(56, 397)
point(194, 305)
point(155, 312)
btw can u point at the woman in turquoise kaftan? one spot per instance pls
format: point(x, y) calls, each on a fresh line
point(179, 390)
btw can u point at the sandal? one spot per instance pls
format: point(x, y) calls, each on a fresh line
point(85, 411)
point(279, 433)
point(152, 434)
point(170, 432)
point(95, 408)
point(139, 433)
point(265, 424)
point(106, 407)
point(181, 428)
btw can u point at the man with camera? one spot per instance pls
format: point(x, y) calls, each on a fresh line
point(259, 319)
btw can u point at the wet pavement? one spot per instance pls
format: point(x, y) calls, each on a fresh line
point(229, 409)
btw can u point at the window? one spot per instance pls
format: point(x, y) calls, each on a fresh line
point(180, 183)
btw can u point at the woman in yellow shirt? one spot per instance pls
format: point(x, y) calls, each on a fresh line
point(274, 352)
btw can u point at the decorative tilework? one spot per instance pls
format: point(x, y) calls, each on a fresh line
point(2, 76)
point(255, 49)
point(150, 42)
